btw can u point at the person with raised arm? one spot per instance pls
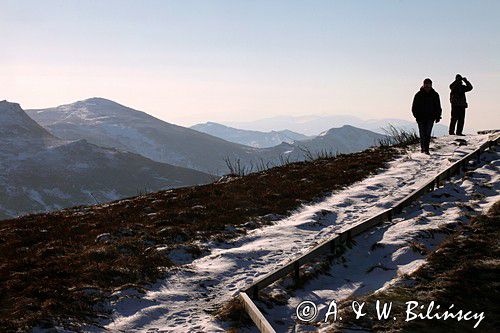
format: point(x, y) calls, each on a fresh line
point(458, 104)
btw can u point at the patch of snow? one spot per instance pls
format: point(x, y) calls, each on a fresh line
point(56, 192)
point(33, 194)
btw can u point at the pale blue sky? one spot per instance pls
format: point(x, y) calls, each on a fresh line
point(194, 61)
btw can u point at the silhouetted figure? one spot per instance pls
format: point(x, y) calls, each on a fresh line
point(458, 103)
point(426, 108)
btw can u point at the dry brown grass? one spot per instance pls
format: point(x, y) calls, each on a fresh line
point(53, 270)
point(233, 312)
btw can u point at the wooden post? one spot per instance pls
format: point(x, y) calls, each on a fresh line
point(296, 272)
point(333, 247)
point(255, 293)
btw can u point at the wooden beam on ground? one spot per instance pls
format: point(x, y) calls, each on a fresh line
point(254, 313)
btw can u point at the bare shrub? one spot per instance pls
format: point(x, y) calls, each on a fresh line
point(398, 137)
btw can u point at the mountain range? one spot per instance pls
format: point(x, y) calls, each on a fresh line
point(41, 172)
point(109, 124)
point(97, 150)
point(345, 139)
point(250, 138)
point(315, 124)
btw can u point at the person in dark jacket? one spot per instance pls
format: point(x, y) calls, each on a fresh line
point(426, 109)
point(458, 104)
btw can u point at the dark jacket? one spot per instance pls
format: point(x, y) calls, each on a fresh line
point(457, 93)
point(426, 105)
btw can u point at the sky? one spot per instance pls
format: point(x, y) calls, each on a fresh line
point(189, 61)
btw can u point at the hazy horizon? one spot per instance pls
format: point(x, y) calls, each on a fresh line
point(190, 62)
point(230, 123)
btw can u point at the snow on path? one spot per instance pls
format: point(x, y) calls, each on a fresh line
point(182, 302)
point(382, 256)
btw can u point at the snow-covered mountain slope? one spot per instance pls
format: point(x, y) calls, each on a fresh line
point(346, 139)
point(183, 300)
point(313, 125)
point(249, 138)
point(20, 135)
point(17, 124)
point(39, 172)
point(109, 124)
point(343, 140)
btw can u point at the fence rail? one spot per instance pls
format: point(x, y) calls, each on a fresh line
point(336, 243)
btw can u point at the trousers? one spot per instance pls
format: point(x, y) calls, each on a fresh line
point(425, 130)
point(457, 118)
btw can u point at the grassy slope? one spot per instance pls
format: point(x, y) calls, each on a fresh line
point(464, 271)
point(53, 268)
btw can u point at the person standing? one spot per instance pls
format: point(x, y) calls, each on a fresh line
point(458, 103)
point(426, 109)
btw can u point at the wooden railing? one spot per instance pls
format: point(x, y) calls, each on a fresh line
point(335, 244)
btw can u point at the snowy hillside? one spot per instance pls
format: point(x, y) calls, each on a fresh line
point(343, 140)
point(313, 125)
point(346, 139)
point(249, 138)
point(109, 124)
point(39, 172)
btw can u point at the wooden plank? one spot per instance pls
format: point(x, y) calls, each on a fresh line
point(408, 200)
point(254, 313)
point(457, 166)
point(320, 249)
point(271, 277)
point(370, 223)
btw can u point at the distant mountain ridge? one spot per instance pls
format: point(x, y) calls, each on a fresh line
point(314, 124)
point(342, 140)
point(255, 139)
point(40, 172)
point(346, 139)
point(107, 123)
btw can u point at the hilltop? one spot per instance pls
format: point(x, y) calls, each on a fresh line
point(41, 172)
